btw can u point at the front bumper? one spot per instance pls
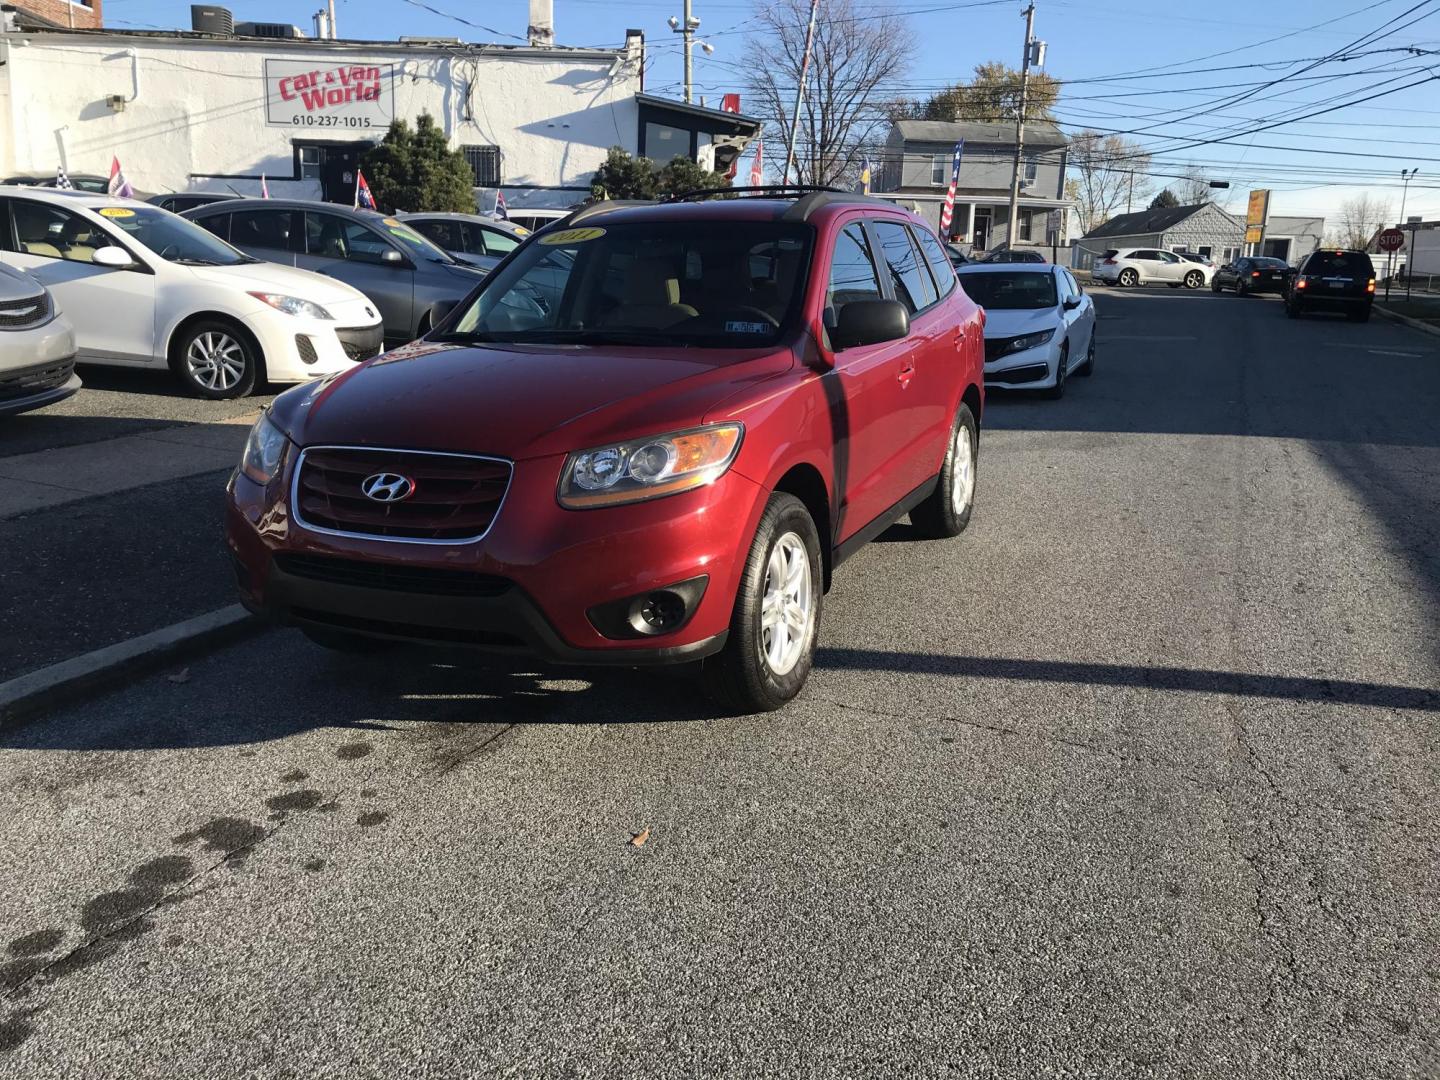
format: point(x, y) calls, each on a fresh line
point(528, 587)
point(1032, 369)
point(299, 349)
point(35, 387)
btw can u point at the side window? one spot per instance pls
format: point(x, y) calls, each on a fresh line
point(1144, 256)
point(852, 273)
point(1075, 289)
point(912, 283)
point(53, 233)
point(490, 241)
point(940, 265)
point(268, 229)
point(334, 237)
point(219, 224)
point(445, 233)
point(1165, 256)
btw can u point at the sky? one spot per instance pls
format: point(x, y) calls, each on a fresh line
point(1130, 66)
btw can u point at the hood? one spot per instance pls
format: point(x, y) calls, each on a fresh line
point(518, 401)
point(1004, 323)
point(273, 278)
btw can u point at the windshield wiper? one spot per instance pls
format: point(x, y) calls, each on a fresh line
point(197, 262)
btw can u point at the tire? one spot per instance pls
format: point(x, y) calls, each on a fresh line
point(1087, 369)
point(756, 672)
point(1293, 309)
point(1128, 278)
point(947, 511)
point(1194, 280)
point(341, 642)
point(1056, 392)
point(1241, 289)
point(216, 361)
point(1215, 286)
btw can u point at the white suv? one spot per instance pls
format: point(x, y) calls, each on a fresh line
point(145, 288)
point(37, 346)
point(1150, 266)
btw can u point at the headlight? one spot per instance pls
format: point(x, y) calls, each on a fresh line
point(1030, 341)
point(647, 468)
point(264, 451)
point(292, 305)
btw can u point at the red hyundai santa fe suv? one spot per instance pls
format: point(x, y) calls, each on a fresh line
point(648, 438)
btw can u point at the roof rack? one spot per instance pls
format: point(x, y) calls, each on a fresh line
point(604, 206)
point(758, 191)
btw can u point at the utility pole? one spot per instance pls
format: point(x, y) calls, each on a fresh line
point(1410, 252)
point(1130, 195)
point(333, 33)
point(800, 92)
point(1012, 228)
point(686, 29)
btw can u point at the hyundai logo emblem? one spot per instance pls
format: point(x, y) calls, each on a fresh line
point(387, 487)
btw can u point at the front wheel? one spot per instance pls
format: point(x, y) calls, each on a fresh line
point(1194, 279)
point(215, 361)
point(1215, 286)
point(1056, 392)
point(776, 620)
point(1129, 278)
point(946, 511)
point(1088, 367)
point(1292, 309)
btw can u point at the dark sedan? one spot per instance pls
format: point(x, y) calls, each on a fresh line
point(1254, 274)
point(412, 282)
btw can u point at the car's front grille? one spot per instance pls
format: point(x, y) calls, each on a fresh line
point(21, 314)
point(35, 380)
point(391, 577)
point(361, 342)
point(454, 497)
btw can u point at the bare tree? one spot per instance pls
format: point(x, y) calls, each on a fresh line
point(1360, 217)
point(1107, 173)
point(1195, 189)
point(858, 49)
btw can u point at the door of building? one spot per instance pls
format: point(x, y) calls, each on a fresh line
point(336, 167)
point(983, 218)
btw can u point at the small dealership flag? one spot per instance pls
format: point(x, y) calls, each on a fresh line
point(363, 198)
point(947, 212)
point(757, 167)
point(264, 187)
point(118, 184)
point(502, 212)
point(864, 186)
point(62, 181)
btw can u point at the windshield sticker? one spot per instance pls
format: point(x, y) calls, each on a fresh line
point(520, 230)
point(116, 212)
point(571, 236)
point(390, 221)
point(747, 328)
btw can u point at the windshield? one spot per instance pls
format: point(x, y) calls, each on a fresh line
point(732, 284)
point(1014, 290)
point(173, 238)
point(416, 244)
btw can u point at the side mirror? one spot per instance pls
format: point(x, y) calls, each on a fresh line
point(391, 257)
point(869, 322)
point(1071, 303)
point(112, 258)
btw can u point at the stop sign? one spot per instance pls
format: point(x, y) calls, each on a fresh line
point(1392, 240)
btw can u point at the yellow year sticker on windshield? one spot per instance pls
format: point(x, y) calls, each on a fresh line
point(572, 236)
point(116, 211)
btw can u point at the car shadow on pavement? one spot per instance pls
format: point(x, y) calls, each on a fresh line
point(1189, 680)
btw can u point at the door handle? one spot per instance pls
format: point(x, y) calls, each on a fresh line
point(907, 372)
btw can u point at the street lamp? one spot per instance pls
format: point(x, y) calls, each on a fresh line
point(687, 28)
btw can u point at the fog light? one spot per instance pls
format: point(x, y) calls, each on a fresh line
point(662, 611)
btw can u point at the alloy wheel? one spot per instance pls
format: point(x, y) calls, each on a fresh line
point(215, 360)
point(787, 610)
point(962, 478)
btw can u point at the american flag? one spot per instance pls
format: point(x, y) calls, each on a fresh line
point(62, 181)
point(502, 212)
point(947, 212)
point(118, 184)
point(757, 167)
point(363, 199)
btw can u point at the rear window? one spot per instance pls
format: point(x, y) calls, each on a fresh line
point(1343, 263)
point(1110, 253)
point(1269, 262)
point(1012, 290)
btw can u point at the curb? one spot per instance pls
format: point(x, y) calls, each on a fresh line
point(1414, 324)
point(21, 698)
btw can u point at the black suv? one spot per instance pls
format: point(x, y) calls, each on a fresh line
point(1334, 281)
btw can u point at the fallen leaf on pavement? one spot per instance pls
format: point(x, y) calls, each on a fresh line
point(638, 840)
point(183, 675)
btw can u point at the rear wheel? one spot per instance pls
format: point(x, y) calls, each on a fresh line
point(1194, 279)
point(1129, 278)
point(1088, 367)
point(216, 361)
point(1241, 289)
point(947, 511)
point(1293, 308)
point(776, 620)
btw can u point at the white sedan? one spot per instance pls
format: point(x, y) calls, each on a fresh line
point(145, 288)
point(1039, 325)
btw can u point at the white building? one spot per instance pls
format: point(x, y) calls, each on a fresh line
point(191, 111)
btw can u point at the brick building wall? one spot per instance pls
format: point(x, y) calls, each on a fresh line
point(79, 15)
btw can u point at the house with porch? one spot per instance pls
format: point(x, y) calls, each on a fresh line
point(915, 173)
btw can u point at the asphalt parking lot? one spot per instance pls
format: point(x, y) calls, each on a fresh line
point(1136, 778)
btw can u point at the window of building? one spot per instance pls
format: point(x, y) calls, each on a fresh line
point(1204, 249)
point(309, 162)
point(1027, 225)
point(663, 142)
point(940, 170)
point(1031, 170)
point(485, 164)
